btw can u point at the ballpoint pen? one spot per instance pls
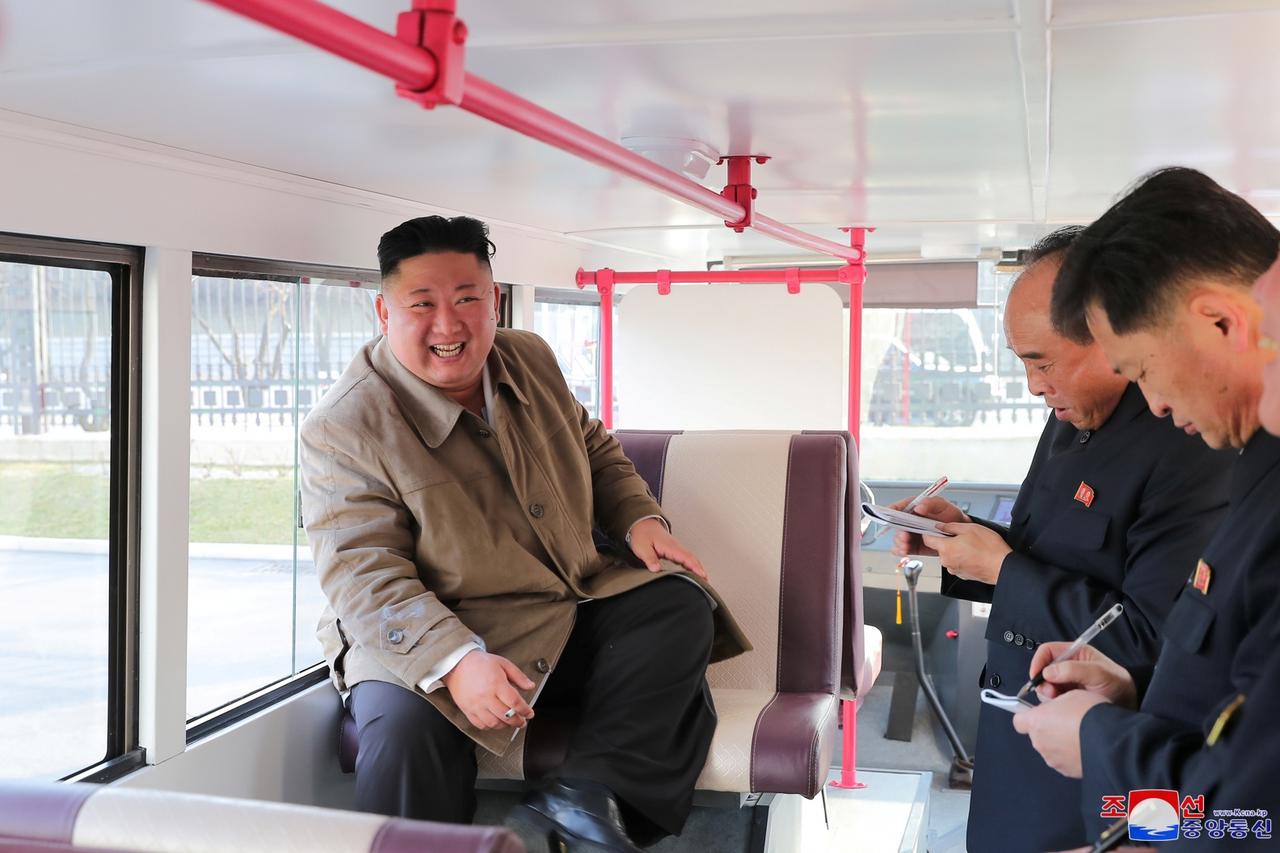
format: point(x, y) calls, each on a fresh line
point(1145, 811)
point(938, 485)
point(1089, 633)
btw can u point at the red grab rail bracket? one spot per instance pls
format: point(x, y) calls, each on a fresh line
point(433, 26)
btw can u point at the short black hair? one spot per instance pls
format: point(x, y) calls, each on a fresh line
point(433, 234)
point(1052, 244)
point(1172, 227)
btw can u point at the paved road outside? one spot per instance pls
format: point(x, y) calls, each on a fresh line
point(53, 647)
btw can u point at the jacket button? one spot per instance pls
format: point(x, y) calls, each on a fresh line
point(395, 636)
point(484, 433)
point(1085, 436)
point(1031, 644)
point(536, 510)
point(541, 665)
point(1008, 636)
point(994, 681)
point(1018, 639)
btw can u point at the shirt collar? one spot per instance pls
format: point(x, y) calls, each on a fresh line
point(432, 412)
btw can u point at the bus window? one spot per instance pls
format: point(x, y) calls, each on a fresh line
point(572, 328)
point(940, 390)
point(55, 466)
point(263, 352)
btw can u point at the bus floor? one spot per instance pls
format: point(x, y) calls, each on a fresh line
point(905, 805)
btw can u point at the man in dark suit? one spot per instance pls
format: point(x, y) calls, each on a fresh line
point(1115, 508)
point(1162, 281)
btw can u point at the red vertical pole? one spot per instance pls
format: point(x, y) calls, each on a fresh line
point(604, 284)
point(857, 277)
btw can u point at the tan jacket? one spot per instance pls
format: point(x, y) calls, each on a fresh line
point(429, 527)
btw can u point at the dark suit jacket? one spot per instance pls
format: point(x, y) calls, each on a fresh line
point(1241, 770)
point(1158, 494)
point(1216, 643)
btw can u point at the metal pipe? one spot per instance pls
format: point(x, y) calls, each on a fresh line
point(337, 32)
point(605, 287)
point(831, 274)
point(911, 570)
point(416, 68)
point(803, 239)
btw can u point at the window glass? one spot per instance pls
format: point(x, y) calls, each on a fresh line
point(263, 352)
point(942, 394)
point(573, 331)
point(55, 467)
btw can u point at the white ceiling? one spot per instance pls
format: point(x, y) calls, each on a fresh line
point(949, 124)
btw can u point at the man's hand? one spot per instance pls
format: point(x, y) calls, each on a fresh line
point(939, 509)
point(1088, 669)
point(651, 542)
point(974, 553)
point(483, 686)
point(1054, 728)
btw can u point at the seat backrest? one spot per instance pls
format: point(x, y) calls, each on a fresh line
point(767, 513)
point(95, 817)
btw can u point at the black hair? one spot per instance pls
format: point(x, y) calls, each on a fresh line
point(434, 234)
point(1172, 227)
point(1052, 244)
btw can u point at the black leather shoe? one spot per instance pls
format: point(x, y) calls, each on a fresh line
point(577, 817)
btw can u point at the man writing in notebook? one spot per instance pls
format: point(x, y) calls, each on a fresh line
point(1162, 281)
point(450, 483)
point(1114, 507)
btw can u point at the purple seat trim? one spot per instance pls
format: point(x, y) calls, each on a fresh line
point(41, 812)
point(853, 669)
point(785, 748)
point(647, 450)
point(412, 836)
point(811, 578)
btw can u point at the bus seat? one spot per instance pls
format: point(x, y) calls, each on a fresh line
point(764, 511)
point(84, 817)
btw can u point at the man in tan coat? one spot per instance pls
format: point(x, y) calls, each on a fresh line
point(450, 486)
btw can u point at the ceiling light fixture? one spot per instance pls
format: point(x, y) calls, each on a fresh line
point(690, 157)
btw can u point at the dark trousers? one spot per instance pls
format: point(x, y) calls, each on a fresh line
point(632, 676)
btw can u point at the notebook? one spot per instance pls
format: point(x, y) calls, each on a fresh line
point(903, 520)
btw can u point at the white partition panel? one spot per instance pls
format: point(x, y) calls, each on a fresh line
point(730, 357)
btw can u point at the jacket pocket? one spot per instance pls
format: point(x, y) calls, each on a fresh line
point(1080, 529)
point(1189, 621)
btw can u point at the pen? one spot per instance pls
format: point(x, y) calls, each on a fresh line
point(938, 485)
point(1143, 813)
point(1089, 633)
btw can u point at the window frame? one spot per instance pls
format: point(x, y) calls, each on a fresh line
point(125, 266)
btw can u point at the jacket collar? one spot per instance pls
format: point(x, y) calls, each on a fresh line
point(433, 413)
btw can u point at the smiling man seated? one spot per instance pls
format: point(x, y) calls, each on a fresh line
point(450, 485)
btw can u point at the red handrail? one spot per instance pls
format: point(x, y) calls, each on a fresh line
point(416, 69)
point(337, 32)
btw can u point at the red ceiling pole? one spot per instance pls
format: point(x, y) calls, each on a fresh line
point(348, 37)
point(665, 278)
point(425, 58)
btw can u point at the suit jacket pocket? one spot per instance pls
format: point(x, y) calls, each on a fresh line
point(1081, 529)
point(1189, 621)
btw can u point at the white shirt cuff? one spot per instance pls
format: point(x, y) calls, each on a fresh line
point(435, 678)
